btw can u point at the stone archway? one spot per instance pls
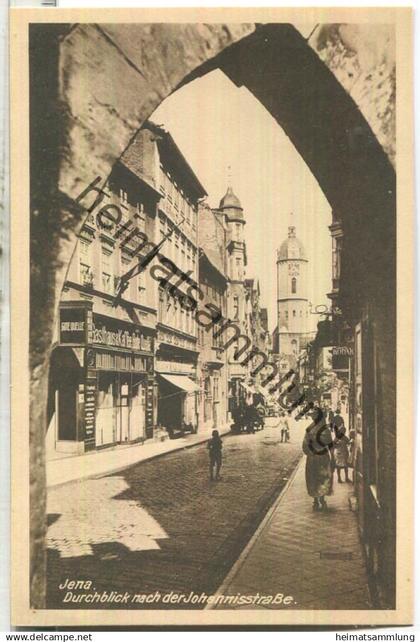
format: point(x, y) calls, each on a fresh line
point(93, 86)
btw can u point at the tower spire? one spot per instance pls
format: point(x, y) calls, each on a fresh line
point(229, 175)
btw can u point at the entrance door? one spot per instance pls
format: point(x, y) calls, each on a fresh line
point(122, 403)
point(137, 410)
point(67, 410)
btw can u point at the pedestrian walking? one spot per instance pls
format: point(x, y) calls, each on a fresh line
point(214, 446)
point(341, 448)
point(317, 446)
point(284, 428)
point(352, 452)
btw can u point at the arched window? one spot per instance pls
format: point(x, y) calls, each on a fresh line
point(294, 285)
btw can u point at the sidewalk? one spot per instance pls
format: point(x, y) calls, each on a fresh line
point(100, 462)
point(315, 557)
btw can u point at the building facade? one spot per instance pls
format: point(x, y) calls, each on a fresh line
point(121, 366)
point(364, 341)
point(213, 285)
point(176, 337)
point(102, 388)
point(232, 214)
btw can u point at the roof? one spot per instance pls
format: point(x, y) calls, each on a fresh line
point(214, 261)
point(172, 157)
point(231, 202)
point(292, 247)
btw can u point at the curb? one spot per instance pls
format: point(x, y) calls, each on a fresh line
point(265, 521)
point(118, 468)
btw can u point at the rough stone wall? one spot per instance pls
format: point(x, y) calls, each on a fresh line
point(102, 83)
point(362, 58)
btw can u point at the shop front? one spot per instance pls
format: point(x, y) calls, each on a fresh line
point(178, 391)
point(102, 384)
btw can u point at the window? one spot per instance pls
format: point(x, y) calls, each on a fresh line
point(162, 228)
point(235, 308)
point(294, 285)
point(161, 304)
point(85, 263)
point(182, 263)
point(294, 313)
point(162, 181)
point(215, 389)
point(123, 197)
point(141, 284)
point(189, 261)
point(238, 267)
point(238, 231)
point(107, 272)
point(140, 214)
point(287, 314)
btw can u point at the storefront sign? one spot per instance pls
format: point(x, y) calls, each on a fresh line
point(72, 326)
point(106, 332)
point(165, 336)
point(340, 357)
point(175, 366)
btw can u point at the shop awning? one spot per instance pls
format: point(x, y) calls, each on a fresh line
point(181, 381)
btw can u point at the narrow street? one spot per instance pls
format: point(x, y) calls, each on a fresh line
point(161, 525)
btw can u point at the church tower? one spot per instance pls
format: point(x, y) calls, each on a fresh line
point(292, 295)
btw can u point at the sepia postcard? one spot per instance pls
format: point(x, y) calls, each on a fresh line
point(212, 294)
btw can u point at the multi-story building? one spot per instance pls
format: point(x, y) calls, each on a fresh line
point(231, 212)
point(361, 348)
point(102, 384)
point(213, 286)
point(176, 347)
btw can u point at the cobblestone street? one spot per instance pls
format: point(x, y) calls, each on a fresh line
point(161, 525)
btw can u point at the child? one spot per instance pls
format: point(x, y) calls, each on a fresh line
point(284, 428)
point(214, 446)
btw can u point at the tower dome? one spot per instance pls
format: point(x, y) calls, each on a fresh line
point(231, 205)
point(292, 247)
